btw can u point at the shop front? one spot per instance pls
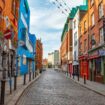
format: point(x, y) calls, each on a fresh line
point(75, 68)
point(70, 66)
point(84, 66)
point(96, 65)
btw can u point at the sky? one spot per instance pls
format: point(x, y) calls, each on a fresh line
point(47, 22)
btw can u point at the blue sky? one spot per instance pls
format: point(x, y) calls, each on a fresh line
point(47, 22)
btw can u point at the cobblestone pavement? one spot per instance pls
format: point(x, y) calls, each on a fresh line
point(53, 88)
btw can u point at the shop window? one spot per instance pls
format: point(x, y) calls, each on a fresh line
point(101, 33)
point(98, 66)
point(100, 10)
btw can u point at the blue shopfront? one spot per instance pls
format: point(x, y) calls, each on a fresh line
point(26, 50)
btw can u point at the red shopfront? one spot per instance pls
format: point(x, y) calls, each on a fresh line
point(84, 66)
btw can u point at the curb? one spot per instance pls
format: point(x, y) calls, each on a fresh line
point(20, 93)
point(96, 91)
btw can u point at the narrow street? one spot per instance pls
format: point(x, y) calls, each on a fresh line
point(53, 88)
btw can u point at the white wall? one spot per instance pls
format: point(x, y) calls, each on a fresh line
point(75, 30)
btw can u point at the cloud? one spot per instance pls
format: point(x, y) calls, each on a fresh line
point(47, 22)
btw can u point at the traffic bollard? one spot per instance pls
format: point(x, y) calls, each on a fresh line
point(24, 79)
point(15, 82)
point(84, 79)
point(10, 84)
point(29, 76)
point(2, 101)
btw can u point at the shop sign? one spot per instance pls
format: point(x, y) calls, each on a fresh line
point(96, 53)
point(102, 52)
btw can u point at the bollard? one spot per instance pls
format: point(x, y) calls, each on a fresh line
point(29, 76)
point(84, 79)
point(15, 82)
point(24, 79)
point(2, 92)
point(10, 83)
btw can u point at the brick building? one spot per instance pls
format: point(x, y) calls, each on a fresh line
point(83, 46)
point(66, 46)
point(9, 13)
point(92, 39)
point(39, 54)
point(80, 12)
point(96, 11)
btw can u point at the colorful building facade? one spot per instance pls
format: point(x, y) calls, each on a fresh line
point(9, 13)
point(83, 47)
point(92, 42)
point(80, 11)
point(39, 54)
point(25, 48)
point(66, 45)
point(96, 51)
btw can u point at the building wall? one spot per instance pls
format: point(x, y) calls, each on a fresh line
point(39, 54)
point(83, 46)
point(75, 36)
point(51, 59)
point(9, 17)
point(56, 58)
point(95, 57)
point(23, 32)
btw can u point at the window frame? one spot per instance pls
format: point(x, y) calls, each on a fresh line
point(92, 21)
point(102, 10)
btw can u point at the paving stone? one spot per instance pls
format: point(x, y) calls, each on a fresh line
point(53, 88)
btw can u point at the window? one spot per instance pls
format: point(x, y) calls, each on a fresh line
point(75, 55)
point(74, 24)
point(92, 19)
point(101, 32)
point(80, 30)
point(85, 25)
point(91, 2)
point(75, 39)
point(98, 66)
point(80, 45)
point(14, 7)
point(93, 42)
point(85, 45)
point(100, 10)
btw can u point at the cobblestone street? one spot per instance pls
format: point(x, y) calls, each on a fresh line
point(53, 88)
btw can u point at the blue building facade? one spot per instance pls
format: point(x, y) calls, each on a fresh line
point(26, 49)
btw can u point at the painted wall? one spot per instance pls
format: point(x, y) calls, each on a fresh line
point(23, 35)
